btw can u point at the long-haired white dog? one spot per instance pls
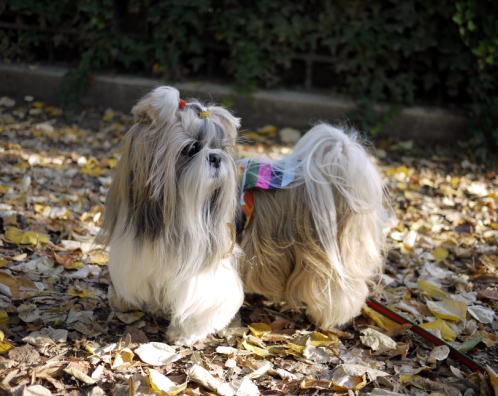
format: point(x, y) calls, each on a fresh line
point(316, 241)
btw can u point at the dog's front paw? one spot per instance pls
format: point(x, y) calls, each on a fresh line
point(177, 336)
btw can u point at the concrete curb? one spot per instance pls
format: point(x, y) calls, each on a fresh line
point(276, 107)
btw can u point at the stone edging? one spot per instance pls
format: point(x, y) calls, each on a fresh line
point(278, 107)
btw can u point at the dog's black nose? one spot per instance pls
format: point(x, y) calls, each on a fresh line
point(214, 160)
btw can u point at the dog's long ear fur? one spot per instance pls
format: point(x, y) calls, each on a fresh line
point(157, 107)
point(131, 190)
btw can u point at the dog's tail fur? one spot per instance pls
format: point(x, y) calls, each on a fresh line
point(346, 199)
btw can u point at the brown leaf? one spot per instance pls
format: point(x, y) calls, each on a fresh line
point(19, 287)
point(24, 354)
point(490, 294)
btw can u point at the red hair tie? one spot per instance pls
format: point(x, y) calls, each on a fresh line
point(182, 104)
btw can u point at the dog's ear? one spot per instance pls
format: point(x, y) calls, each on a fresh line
point(227, 119)
point(157, 107)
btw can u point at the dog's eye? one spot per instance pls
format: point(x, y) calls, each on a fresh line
point(192, 150)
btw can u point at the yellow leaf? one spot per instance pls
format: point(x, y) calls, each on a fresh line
point(430, 289)
point(82, 291)
point(53, 111)
point(123, 359)
point(446, 332)
point(3, 262)
point(15, 235)
point(493, 378)
point(259, 329)
point(38, 104)
point(254, 349)
point(4, 318)
point(39, 208)
point(455, 182)
point(402, 186)
point(268, 130)
point(440, 253)
point(74, 265)
point(4, 345)
point(311, 383)
point(379, 319)
point(108, 115)
point(92, 171)
point(4, 189)
point(112, 162)
point(163, 385)
point(448, 309)
point(414, 380)
point(287, 349)
point(89, 349)
point(399, 169)
point(98, 257)
point(318, 339)
point(251, 136)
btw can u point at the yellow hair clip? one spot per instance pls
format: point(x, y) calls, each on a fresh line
point(204, 114)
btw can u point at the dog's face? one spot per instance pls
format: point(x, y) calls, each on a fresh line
point(177, 172)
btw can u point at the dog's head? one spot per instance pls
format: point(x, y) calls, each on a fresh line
point(177, 173)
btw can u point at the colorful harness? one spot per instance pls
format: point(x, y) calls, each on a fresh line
point(265, 176)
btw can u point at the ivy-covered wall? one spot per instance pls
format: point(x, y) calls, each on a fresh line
point(402, 51)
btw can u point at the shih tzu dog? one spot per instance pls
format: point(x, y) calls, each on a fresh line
point(309, 225)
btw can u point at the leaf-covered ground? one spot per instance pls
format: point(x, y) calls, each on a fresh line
point(58, 334)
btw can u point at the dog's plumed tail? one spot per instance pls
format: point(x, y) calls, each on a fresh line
point(346, 197)
point(332, 238)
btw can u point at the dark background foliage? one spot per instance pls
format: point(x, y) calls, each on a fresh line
point(400, 51)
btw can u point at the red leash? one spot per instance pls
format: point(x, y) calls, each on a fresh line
point(462, 357)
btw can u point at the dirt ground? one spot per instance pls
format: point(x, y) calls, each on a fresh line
point(58, 334)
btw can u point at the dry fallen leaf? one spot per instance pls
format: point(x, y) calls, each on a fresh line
point(15, 235)
point(81, 291)
point(438, 353)
point(377, 341)
point(4, 345)
point(259, 329)
point(98, 257)
point(440, 254)
point(448, 309)
point(482, 314)
point(446, 332)
point(160, 383)
point(202, 377)
point(18, 288)
point(157, 353)
point(431, 289)
point(71, 370)
point(379, 319)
